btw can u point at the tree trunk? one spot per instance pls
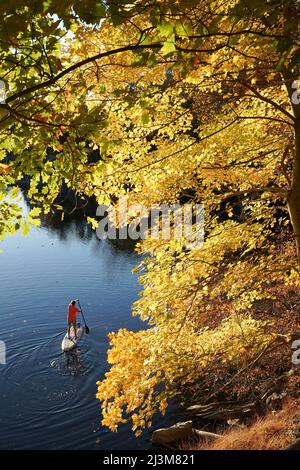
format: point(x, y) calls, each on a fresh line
point(293, 201)
point(294, 194)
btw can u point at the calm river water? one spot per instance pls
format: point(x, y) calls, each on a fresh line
point(47, 398)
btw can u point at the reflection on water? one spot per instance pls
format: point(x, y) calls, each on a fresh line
point(73, 224)
point(48, 397)
point(75, 362)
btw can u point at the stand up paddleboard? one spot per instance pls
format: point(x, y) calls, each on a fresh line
point(68, 344)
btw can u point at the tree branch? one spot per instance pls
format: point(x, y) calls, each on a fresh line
point(56, 78)
point(267, 100)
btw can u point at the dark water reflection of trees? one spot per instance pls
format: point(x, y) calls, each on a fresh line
point(74, 224)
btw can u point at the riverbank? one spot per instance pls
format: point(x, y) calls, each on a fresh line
point(277, 430)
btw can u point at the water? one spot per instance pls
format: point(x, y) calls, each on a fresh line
point(47, 398)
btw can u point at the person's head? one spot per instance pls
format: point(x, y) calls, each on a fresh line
point(73, 302)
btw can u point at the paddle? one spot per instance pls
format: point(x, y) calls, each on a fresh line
point(87, 330)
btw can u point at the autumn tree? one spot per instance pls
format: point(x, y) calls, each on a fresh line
point(186, 101)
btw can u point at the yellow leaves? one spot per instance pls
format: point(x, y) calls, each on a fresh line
point(143, 362)
point(292, 279)
point(163, 406)
point(236, 59)
point(103, 199)
point(230, 211)
point(58, 147)
point(190, 131)
point(94, 222)
point(33, 216)
point(4, 169)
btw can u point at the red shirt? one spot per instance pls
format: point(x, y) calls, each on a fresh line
point(72, 311)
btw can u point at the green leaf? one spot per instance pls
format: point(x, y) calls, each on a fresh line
point(285, 45)
point(146, 39)
point(233, 40)
point(182, 30)
point(281, 62)
point(165, 29)
point(25, 228)
point(169, 46)
point(145, 118)
point(152, 60)
point(100, 10)
point(253, 3)
point(117, 18)
point(14, 193)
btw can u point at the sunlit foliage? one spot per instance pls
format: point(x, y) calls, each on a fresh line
point(183, 101)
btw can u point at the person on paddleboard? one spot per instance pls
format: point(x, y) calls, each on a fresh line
point(72, 313)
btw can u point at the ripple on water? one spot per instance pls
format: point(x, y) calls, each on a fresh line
point(77, 362)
